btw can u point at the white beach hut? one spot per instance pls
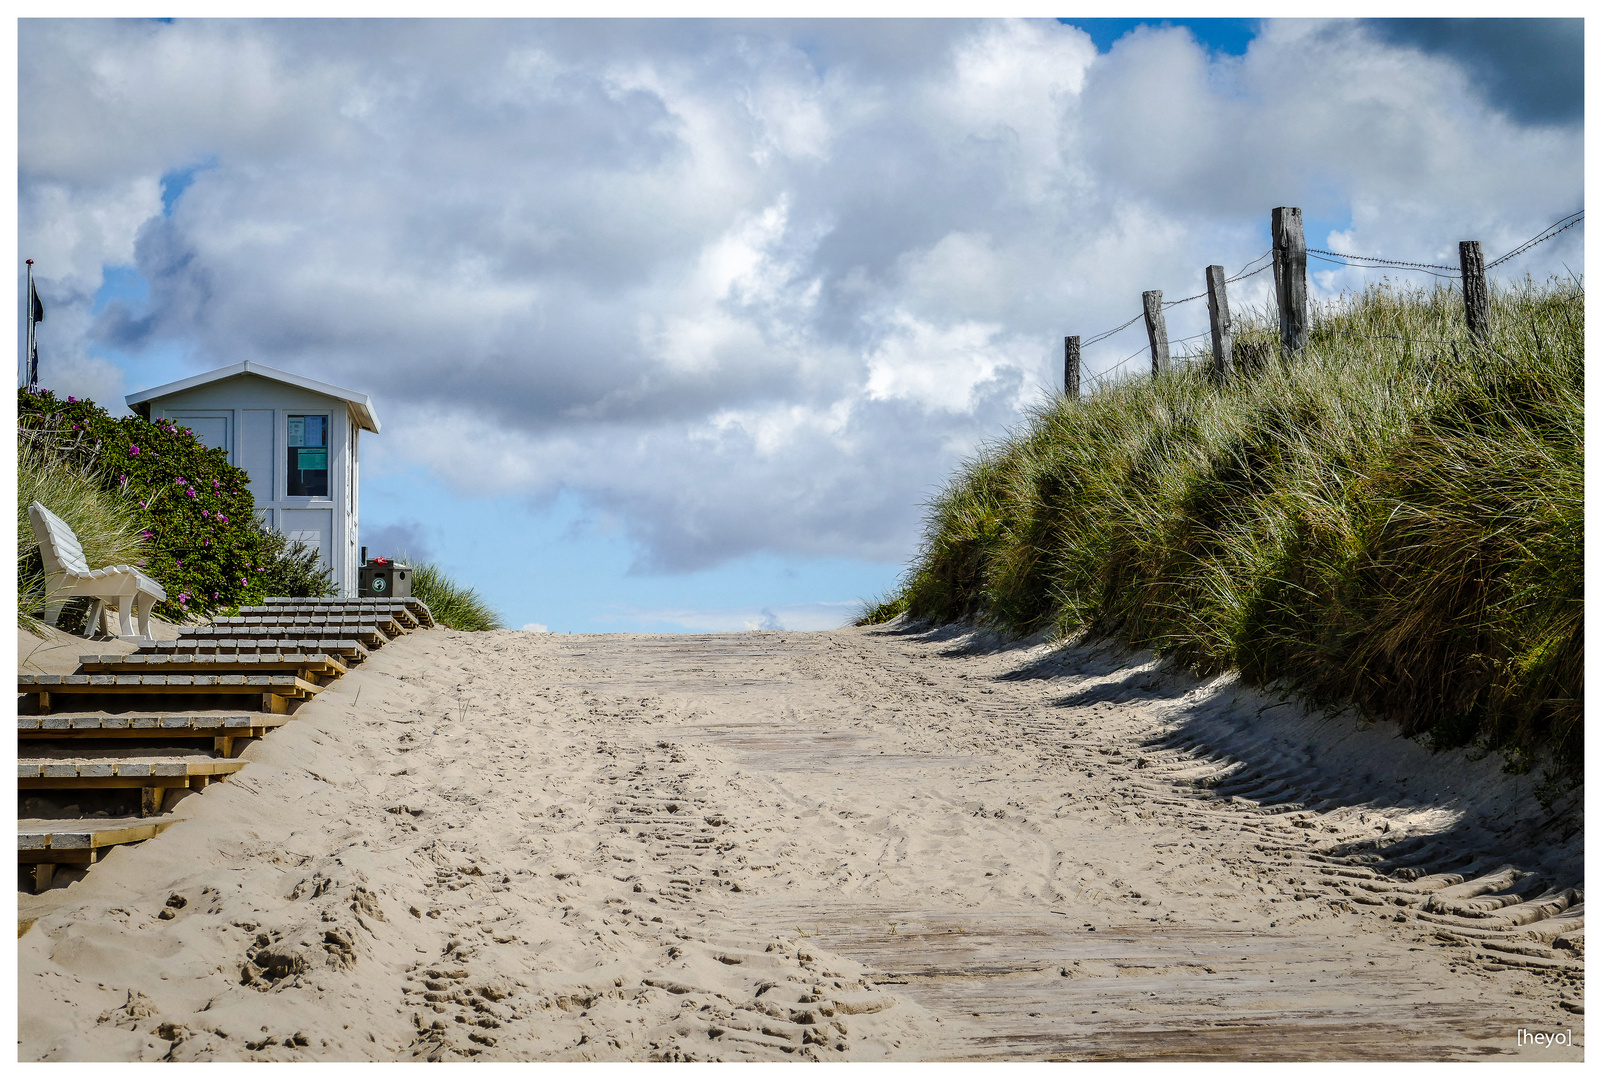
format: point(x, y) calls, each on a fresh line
point(296, 437)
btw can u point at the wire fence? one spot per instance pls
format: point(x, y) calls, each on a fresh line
point(1336, 257)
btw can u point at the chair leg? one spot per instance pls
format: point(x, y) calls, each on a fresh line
point(125, 619)
point(94, 618)
point(52, 611)
point(146, 602)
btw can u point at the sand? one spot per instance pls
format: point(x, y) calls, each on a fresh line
point(872, 844)
point(48, 651)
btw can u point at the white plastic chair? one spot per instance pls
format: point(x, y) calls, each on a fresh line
point(67, 574)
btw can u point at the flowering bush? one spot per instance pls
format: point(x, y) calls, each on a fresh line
point(202, 540)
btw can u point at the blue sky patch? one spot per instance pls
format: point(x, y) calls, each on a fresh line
point(1228, 36)
point(124, 283)
point(175, 183)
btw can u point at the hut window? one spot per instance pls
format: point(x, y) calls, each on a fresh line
point(308, 455)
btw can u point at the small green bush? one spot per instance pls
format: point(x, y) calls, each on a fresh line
point(453, 605)
point(106, 521)
point(1393, 518)
point(204, 543)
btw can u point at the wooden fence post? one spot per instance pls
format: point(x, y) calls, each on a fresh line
point(1223, 339)
point(1476, 294)
point(1156, 330)
point(1290, 277)
point(1070, 367)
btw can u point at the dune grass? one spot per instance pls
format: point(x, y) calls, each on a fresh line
point(106, 522)
point(452, 604)
point(1393, 518)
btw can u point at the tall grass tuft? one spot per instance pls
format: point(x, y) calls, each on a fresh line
point(453, 605)
point(105, 521)
point(1393, 518)
point(881, 610)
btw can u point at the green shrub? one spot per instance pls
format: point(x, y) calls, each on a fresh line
point(106, 521)
point(1393, 518)
point(204, 543)
point(453, 605)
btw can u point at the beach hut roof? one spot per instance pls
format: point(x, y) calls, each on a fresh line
point(361, 406)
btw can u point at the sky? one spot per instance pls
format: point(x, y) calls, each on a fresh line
point(677, 326)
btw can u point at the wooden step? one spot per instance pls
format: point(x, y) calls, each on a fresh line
point(399, 617)
point(413, 604)
point(307, 665)
point(35, 773)
point(350, 648)
point(283, 625)
point(275, 691)
point(224, 731)
point(385, 623)
point(154, 777)
point(367, 631)
point(410, 604)
point(46, 844)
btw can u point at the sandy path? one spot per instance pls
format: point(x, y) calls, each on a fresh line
point(852, 845)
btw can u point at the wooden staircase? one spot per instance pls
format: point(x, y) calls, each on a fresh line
point(174, 715)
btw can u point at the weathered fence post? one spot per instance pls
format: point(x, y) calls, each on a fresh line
point(1476, 294)
point(1223, 339)
point(1156, 330)
point(1290, 277)
point(1070, 367)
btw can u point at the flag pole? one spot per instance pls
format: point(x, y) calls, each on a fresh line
point(32, 360)
point(27, 356)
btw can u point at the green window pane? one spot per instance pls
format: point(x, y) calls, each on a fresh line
point(308, 455)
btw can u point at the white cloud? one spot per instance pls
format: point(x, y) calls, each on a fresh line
point(535, 628)
point(739, 286)
point(939, 368)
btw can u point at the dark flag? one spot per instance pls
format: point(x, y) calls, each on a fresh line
point(35, 316)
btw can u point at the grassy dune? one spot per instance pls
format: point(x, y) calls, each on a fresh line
point(452, 604)
point(1392, 519)
point(106, 522)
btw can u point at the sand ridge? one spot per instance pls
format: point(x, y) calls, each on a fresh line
point(863, 845)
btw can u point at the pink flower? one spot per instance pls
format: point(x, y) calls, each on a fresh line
point(134, 450)
point(191, 493)
point(216, 483)
point(70, 399)
point(242, 581)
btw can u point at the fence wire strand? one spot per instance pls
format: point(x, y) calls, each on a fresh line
point(1372, 260)
point(1348, 260)
point(1560, 225)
